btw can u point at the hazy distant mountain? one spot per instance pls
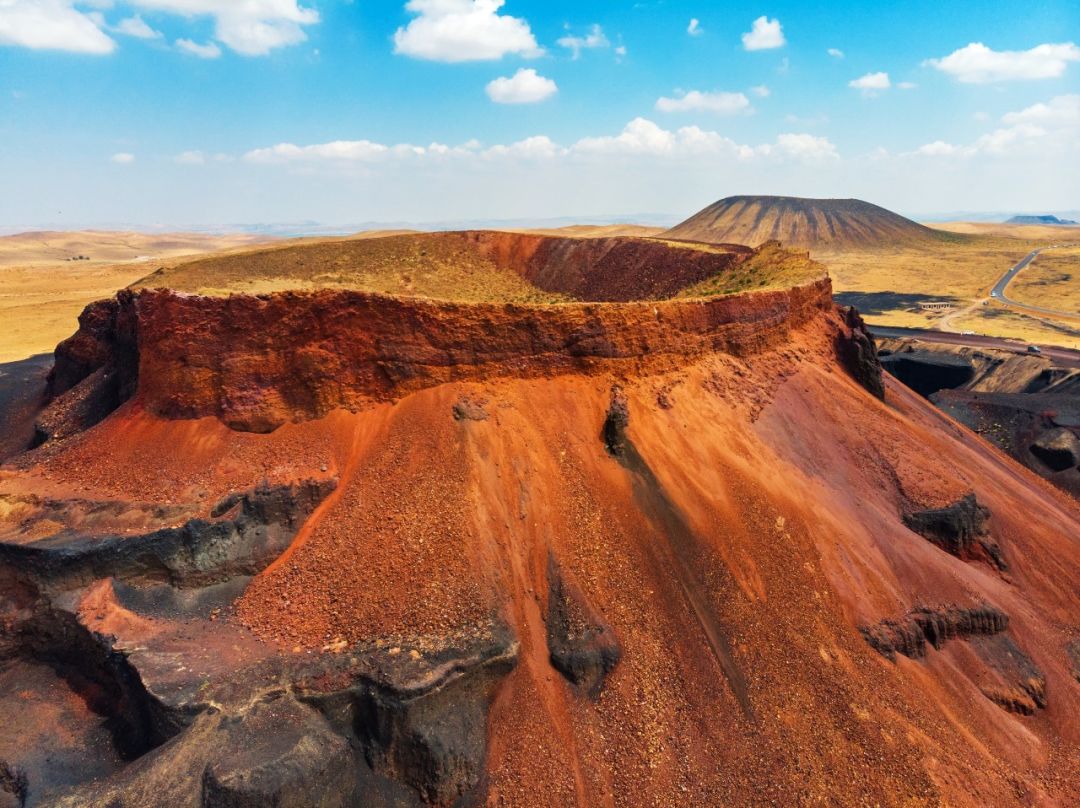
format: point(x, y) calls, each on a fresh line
point(1047, 219)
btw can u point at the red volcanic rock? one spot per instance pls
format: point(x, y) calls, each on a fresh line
point(606, 269)
point(259, 362)
point(722, 495)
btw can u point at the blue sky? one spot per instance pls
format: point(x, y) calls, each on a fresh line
point(214, 112)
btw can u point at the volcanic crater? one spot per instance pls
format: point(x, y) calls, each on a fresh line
point(506, 519)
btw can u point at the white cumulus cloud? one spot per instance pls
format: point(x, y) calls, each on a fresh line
point(524, 87)
point(1062, 111)
point(694, 28)
point(639, 138)
point(203, 51)
point(249, 27)
point(576, 44)
point(463, 31)
point(136, 26)
point(537, 147)
point(765, 34)
point(835, 53)
point(978, 64)
point(761, 91)
point(811, 148)
point(1049, 129)
point(190, 158)
point(871, 83)
point(644, 137)
point(697, 101)
point(338, 150)
point(939, 148)
point(122, 158)
point(52, 25)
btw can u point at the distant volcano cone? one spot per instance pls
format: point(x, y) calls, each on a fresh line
point(814, 224)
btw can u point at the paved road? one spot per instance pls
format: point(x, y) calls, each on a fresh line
point(998, 292)
point(1063, 357)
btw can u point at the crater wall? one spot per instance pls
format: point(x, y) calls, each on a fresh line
point(257, 362)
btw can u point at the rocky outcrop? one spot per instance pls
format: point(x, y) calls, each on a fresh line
point(1020, 686)
point(582, 646)
point(283, 754)
point(259, 362)
point(857, 351)
point(138, 720)
point(1017, 423)
point(1058, 449)
point(80, 407)
point(370, 727)
point(613, 433)
point(959, 529)
point(469, 409)
point(197, 553)
point(13, 786)
point(421, 721)
point(921, 626)
point(1072, 651)
point(107, 338)
point(246, 724)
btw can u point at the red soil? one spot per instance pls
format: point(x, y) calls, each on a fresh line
point(791, 477)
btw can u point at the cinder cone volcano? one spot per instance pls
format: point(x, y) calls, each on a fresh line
point(631, 523)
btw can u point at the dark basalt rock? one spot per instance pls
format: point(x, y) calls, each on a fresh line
point(911, 634)
point(1023, 685)
point(858, 352)
point(79, 408)
point(928, 372)
point(1072, 651)
point(613, 432)
point(582, 646)
point(198, 553)
point(959, 529)
point(422, 723)
point(1033, 428)
point(1058, 449)
point(112, 687)
point(374, 727)
point(107, 340)
point(280, 754)
point(13, 786)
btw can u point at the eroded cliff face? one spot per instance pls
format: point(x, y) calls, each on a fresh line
point(260, 362)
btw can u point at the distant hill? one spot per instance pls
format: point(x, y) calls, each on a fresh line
point(815, 224)
point(1038, 220)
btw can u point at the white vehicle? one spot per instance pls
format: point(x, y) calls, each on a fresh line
point(967, 333)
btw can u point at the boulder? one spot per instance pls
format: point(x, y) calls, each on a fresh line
point(1058, 449)
point(582, 646)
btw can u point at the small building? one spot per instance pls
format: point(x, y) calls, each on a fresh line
point(936, 305)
